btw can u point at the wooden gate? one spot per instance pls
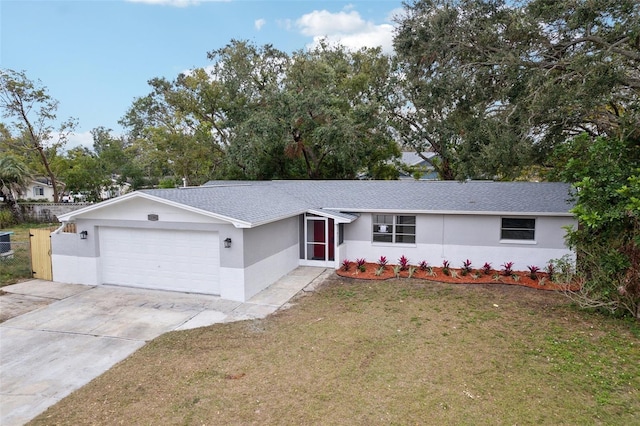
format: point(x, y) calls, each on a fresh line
point(40, 240)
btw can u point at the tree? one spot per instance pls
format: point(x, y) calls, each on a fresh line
point(488, 84)
point(167, 137)
point(14, 179)
point(83, 173)
point(584, 64)
point(606, 173)
point(109, 165)
point(258, 113)
point(249, 80)
point(33, 112)
point(117, 158)
point(332, 112)
point(322, 117)
point(451, 100)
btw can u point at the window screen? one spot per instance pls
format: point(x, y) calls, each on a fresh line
point(518, 229)
point(389, 228)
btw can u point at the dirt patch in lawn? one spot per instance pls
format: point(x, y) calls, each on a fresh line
point(398, 351)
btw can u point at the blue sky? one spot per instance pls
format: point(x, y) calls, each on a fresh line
point(96, 56)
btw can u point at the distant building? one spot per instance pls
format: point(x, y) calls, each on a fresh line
point(412, 159)
point(38, 189)
point(116, 189)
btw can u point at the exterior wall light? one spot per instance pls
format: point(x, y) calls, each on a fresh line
point(83, 235)
point(227, 242)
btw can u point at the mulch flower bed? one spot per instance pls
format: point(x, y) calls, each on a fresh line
point(456, 276)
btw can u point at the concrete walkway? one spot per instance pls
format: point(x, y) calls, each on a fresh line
point(72, 333)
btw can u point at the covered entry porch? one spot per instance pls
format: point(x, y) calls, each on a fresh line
point(321, 235)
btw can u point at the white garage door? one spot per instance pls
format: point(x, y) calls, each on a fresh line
point(161, 259)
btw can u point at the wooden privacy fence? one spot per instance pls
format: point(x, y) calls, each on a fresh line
point(40, 241)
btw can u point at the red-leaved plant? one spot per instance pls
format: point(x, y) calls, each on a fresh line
point(508, 269)
point(423, 265)
point(346, 264)
point(533, 272)
point(486, 268)
point(382, 262)
point(404, 263)
point(360, 264)
point(445, 267)
point(466, 267)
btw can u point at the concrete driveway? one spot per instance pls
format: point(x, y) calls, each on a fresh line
point(75, 333)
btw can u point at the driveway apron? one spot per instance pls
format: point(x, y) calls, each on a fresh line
point(78, 332)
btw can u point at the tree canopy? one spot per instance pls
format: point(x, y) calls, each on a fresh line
point(495, 87)
point(258, 113)
point(14, 178)
point(33, 112)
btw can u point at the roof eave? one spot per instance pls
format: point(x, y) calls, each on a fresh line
point(330, 214)
point(137, 194)
point(454, 212)
point(276, 219)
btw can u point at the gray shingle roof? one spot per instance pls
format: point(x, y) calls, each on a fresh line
point(253, 204)
point(263, 201)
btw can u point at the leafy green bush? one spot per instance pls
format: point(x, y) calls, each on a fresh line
point(605, 173)
point(6, 218)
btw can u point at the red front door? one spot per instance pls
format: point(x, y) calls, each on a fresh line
point(319, 240)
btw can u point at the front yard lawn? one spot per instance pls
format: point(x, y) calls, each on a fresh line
point(378, 353)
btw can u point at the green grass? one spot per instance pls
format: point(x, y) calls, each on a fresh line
point(392, 352)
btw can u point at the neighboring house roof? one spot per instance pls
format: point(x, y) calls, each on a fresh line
point(413, 159)
point(42, 180)
point(252, 203)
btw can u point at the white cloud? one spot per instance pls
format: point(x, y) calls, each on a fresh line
point(259, 23)
point(84, 139)
point(323, 22)
point(346, 28)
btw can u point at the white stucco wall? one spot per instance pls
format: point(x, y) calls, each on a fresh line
point(243, 283)
point(264, 273)
point(257, 257)
point(78, 261)
point(269, 252)
point(74, 260)
point(435, 254)
point(456, 238)
point(341, 254)
point(75, 269)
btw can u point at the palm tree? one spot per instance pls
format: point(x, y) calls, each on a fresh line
point(14, 178)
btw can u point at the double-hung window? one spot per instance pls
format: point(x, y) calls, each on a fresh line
point(38, 191)
point(389, 228)
point(518, 229)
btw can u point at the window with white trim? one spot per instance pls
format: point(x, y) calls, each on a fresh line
point(389, 228)
point(38, 191)
point(517, 229)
